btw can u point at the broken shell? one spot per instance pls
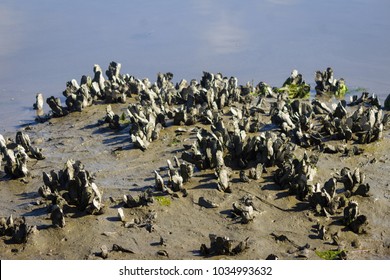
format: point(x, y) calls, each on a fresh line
point(44, 191)
point(252, 173)
point(272, 257)
point(139, 143)
point(119, 248)
point(163, 253)
point(159, 182)
point(259, 171)
point(104, 252)
point(207, 203)
point(243, 177)
point(330, 187)
point(186, 171)
point(38, 105)
point(121, 215)
point(176, 182)
point(351, 212)
point(57, 216)
point(223, 179)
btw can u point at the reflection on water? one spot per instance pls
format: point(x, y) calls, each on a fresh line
point(46, 43)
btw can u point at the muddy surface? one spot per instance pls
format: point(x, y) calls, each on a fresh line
point(180, 222)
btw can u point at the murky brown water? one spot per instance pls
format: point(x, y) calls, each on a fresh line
point(43, 44)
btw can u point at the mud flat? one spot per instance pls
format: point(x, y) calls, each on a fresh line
point(213, 215)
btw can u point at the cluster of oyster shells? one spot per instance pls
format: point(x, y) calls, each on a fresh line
point(364, 125)
point(328, 201)
point(16, 228)
point(326, 83)
point(296, 175)
point(115, 88)
point(178, 175)
point(244, 209)
point(354, 182)
point(146, 124)
point(324, 198)
point(223, 245)
point(17, 153)
point(71, 186)
point(353, 219)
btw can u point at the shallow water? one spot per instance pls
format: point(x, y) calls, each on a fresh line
point(44, 44)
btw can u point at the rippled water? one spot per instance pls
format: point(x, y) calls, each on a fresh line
point(44, 43)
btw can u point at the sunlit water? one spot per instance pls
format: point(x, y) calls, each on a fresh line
point(44, 44)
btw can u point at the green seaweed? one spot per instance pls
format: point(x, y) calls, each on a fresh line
point(163, 200)
point(330, 254)
point(296, 91)
point(123, 120)
point(341, 90)
point(360, 89)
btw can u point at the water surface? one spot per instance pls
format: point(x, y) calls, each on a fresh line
point(45, 43)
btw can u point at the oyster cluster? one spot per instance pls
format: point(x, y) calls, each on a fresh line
point(352, 218)
point(141, 221)
point(313, 124)
point(143, 199)
point(206, 152)
point(326, 83)
point(112, 119)
point(196, 102)
point(146, 123)
point(327, 200)
point(324, 199)
point(202, 102)
point(243, 148)
point(223, 245)
point(178, 174)
point(17, 153)
point(71, 186)
point(364, 125)
point(296, 120)
point(244, 209)
point(114, 89)
point(365, 99)
point(354, 182)
point(16, 228)
point(296, 175)
point(234, 146)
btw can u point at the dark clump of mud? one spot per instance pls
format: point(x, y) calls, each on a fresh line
point(129, 169)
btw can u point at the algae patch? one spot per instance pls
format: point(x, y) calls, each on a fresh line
point(163, 200)
point(331, 254)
